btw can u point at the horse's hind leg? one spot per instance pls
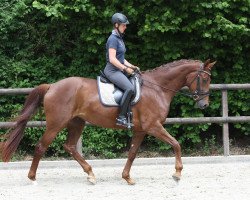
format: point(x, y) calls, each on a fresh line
point(75, 127)
point(41, 147)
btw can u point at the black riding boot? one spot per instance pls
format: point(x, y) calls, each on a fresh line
point(124, 105)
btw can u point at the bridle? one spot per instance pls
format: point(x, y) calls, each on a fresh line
point(198, 94)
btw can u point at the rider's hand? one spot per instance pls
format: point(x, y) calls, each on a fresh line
point(129, 70)
point(135, 67)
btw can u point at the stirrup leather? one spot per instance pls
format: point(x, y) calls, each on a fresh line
point(123, 121)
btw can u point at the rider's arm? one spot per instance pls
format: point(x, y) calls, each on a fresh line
point(129, 64)
point(113, 60)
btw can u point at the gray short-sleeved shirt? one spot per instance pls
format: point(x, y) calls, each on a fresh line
point(115, 41)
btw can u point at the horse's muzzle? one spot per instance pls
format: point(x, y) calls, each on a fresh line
point(202, 104)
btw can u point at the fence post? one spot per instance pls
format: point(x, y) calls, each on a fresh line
point(225, 125)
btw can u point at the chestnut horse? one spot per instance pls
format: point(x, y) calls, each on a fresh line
point(70, 102)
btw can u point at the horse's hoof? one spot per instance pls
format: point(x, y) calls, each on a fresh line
point(130, 181)
point(32, 176)
point(176, 178)
point(91, 180)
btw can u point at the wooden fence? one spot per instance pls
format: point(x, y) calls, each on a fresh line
point(225, 119)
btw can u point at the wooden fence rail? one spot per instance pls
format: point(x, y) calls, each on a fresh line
point(225, 119)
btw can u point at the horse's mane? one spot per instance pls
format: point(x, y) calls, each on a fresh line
point(172, 64)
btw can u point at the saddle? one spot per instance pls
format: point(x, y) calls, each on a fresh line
point(111, 95)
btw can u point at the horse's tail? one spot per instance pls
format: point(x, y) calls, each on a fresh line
point(13, 138)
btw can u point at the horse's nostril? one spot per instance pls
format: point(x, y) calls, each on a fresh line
point(205, 106)
point(202, 105)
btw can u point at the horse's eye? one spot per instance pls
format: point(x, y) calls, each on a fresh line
point(204, 81)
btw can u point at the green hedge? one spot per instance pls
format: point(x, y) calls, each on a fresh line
point(45, 41)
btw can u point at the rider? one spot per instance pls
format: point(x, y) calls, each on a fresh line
point(118, 68)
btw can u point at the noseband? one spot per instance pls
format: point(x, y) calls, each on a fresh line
point(198, 93)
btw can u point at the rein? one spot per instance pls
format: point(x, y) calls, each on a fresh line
point(198, 94)
point(184, 93)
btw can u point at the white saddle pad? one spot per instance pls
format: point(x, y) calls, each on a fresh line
point(106, 92)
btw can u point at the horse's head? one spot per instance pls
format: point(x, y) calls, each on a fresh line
point(199, 82)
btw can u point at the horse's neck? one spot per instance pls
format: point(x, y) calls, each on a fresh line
point(173, 78)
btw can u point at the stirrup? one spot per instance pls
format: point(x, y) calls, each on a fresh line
point(122, 121)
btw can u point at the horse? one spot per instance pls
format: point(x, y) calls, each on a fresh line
point(71, 102)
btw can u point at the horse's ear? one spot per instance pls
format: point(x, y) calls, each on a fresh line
point(206, 62)
point(210, 65)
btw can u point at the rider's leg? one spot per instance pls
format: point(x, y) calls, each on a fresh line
point(124, 105)
point(121, 81)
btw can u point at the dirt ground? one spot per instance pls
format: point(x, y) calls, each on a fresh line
point(199, 181)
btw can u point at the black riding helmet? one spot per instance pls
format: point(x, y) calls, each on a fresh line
point(119, 18)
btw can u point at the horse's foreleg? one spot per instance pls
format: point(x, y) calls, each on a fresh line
point(135, 144)
point(160, 133)
point(75, 127)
